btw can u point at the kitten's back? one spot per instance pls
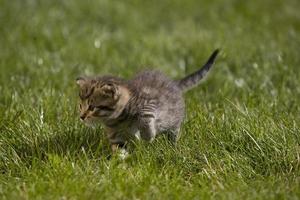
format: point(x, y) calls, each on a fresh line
point(165, 96)
point(155, 88)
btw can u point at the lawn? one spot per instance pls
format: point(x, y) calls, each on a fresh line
point(241, 135)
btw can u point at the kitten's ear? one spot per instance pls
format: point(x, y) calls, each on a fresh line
point(80, 81)
point(109, 89)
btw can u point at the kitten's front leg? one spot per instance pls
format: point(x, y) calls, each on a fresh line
point(118, 146)
point(147, 128)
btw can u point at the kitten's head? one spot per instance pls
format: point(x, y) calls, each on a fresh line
point(101, 99)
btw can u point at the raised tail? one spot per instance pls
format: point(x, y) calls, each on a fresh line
point(193, 79)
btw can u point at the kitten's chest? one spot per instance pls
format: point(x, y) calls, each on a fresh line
point(128, 130)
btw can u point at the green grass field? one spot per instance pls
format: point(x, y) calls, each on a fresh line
point(241, 136)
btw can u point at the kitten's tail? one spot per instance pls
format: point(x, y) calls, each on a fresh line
point(193, 79)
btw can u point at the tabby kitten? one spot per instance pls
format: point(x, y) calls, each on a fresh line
point(142, 107)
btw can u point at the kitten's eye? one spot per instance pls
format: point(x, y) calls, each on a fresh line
point(80, 106)
point(91, 107)
point(105, 108)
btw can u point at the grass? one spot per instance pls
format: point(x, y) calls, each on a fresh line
point(240, 139)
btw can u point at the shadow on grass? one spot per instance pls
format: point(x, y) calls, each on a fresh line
point(73, 145)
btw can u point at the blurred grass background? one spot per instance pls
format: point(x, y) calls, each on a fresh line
point(241, 134)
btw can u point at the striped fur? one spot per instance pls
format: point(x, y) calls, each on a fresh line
point(193, 79)
point(143, 107)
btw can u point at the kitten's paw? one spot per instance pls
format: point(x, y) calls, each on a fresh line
point(122, 154)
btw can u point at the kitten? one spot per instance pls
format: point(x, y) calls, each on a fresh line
point(143, 107)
